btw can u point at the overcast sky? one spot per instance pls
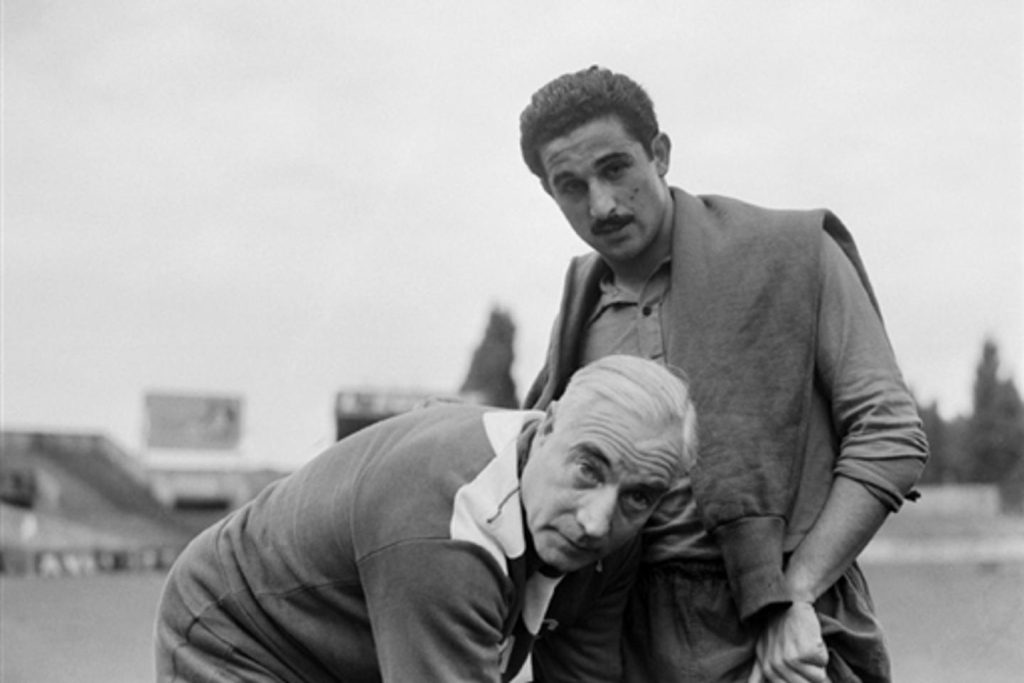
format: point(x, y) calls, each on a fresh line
point(281, 200)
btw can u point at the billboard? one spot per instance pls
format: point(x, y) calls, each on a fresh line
point(193, 421)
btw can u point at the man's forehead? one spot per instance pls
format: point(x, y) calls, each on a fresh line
point(588, 144)
point(647, 467)
point(632, 455)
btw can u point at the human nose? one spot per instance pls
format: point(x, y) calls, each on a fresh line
point(602, 201)
point(596, 512)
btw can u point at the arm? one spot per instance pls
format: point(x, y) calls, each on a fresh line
point(882, 452)
point(882, 448)
point(851, 517)
point(791, 646)
point(437, 609)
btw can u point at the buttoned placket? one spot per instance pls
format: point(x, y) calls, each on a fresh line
point(629, 322)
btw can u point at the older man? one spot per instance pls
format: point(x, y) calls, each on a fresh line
point(440, 545)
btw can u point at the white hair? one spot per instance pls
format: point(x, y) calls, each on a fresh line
point(648, 399)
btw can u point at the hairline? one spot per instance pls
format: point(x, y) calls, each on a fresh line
point(541, 143)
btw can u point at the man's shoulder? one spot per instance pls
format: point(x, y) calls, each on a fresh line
point(409, 489)
point(731, 237)
point(585, 271)
point(447, 431)
point(733, 212)
point(734, 228)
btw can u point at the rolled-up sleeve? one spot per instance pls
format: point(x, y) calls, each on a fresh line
point(881, 440)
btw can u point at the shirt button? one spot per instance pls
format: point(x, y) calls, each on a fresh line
point(646, 310)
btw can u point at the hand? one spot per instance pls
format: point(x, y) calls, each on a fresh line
point(791, 649)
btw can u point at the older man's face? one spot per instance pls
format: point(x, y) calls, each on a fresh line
point(586, 490)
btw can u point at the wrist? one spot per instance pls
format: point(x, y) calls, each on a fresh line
point(805, 597)
point(799, 588)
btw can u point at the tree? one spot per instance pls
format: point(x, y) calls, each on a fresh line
point(956, 444)
point(941, 468)
point(995, 431)
point(489, 379)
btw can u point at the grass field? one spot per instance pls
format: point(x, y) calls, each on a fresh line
point(952, 623)
point(946, 623)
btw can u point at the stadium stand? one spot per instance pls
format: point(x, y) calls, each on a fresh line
point(80, 498)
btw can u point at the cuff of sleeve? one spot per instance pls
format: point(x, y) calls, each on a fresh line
point(891, 480)
point(752, 552)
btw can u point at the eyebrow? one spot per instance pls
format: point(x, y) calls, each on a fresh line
point(609, 158)
point(612, 157)
point(655, 484)
point(647, 475)
point(596, 453)
point(656, 488)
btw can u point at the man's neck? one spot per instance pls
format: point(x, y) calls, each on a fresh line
point(632, 285)
point(634, 274)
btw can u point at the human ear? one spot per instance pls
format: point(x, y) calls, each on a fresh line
point(661, 147)
point(547, 425)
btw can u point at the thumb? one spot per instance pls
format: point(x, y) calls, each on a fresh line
point(818, 656)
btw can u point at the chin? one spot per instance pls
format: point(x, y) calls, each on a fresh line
point(554, 559)
point(567, 566)
point(563, 561)
point(623, 251)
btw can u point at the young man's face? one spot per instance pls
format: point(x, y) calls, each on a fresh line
point(586, 490)
point(611, 191)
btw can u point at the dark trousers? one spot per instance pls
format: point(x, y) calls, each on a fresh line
point(682, 626)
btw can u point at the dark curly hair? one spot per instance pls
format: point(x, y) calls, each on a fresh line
point(575, 99)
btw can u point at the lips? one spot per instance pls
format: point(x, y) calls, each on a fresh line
point(578, 548)
point(610, 226)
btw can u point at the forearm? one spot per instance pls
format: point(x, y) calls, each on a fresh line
point(790, 646)
point(848, 521)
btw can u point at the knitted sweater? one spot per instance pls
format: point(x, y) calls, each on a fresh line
point(400, 553)
point(745, 312)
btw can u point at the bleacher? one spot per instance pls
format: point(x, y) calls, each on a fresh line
point(74, 502)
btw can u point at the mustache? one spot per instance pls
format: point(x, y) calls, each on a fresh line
point(613, 222)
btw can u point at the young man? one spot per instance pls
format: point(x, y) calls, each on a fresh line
point(809, 437)
point(440, 544)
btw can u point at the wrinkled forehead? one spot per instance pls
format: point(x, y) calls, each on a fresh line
point(638, 450)
point(587, 144)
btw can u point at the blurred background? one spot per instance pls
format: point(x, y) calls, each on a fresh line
point(235, 231)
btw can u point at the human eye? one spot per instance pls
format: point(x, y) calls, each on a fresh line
point(571, 188)
point(615, 171)
point(615, 168)
point(588, 471)
point(638, 501)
